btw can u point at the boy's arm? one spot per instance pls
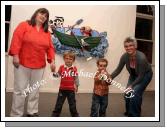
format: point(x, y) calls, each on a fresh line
point(96, 77)
point(76, 79)
point(109, 79)
point(76, 83)
point(105, 77)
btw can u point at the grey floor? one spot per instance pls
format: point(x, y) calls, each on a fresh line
point(115, 107)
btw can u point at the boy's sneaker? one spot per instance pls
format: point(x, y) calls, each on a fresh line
point(75, 115)
point(55, 114)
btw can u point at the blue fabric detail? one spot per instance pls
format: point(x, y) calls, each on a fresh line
point(97, 52)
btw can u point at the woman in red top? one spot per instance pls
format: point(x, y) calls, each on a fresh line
point(31, 44)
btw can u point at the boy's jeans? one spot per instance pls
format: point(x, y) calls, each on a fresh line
point(60, 101)
point(133, 104)
point(99, 105)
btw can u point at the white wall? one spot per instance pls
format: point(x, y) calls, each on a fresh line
point(118, 21)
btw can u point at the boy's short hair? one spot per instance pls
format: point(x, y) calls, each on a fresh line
point(70, 54)
point(102, 60)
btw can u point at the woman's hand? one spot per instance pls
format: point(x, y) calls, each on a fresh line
point(52, 66)
point(16, 61)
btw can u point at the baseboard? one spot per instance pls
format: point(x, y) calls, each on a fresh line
point(51, 90)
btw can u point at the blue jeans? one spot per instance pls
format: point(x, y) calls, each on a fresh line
point(133, 104)
point(99, 105)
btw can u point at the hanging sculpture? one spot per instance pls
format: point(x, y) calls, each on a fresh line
point(84, 41)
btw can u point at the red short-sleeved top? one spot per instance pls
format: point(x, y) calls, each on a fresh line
point(32, 46)
point(67, 77)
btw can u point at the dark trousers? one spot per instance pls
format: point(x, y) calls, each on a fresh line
point(99, 105)
point(60, 101)
point(133, 104)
